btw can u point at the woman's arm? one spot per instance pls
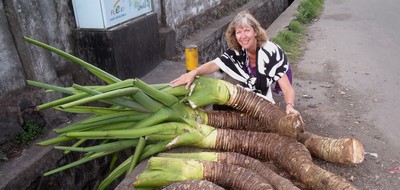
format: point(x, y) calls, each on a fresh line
point(188, 78)
point(288, 91)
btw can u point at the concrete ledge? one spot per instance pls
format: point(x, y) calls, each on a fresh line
point(128, 50)
point(284, 19)
point(15, 173)
point(26, 171)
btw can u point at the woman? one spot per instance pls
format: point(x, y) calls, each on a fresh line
point(252, 60)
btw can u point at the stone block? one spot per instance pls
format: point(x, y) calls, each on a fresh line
point(167, 42)
point(128, 50)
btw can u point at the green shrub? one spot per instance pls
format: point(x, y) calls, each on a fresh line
point(290, 43)
point(31, 132)
point(308, 10)
point(3, 156)
point(291, 38)
point(296, 27)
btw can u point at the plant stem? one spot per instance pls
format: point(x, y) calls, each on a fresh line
point(106, 77)
point(138, 152)
point(103, 96)
point(158, 95)
point(122, 84)
point(129, 133)
point(103, 147)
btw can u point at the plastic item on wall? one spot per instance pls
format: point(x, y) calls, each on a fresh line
point(103, 14)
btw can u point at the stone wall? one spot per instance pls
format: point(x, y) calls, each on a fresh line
point(50, 22)
point(172, 13)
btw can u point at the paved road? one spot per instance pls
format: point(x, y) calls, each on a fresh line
point(361, 39)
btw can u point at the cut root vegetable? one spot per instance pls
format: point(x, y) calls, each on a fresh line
point(343, 150)
point(285, 152)
point(163, 171)
point(269, 115)
point(277, 182)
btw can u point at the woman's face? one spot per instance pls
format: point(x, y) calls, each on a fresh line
point(246, 37)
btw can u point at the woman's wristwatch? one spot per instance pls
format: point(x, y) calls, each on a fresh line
point(290, 104)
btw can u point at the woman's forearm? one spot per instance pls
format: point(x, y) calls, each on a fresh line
point(206, 68)
point(289, 96)
point(287, 90)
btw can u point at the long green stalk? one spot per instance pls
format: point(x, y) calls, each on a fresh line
point(136, 155)
point(76, 144)
point(130, 133)
point(163, 114)
point(93, 110)
point(119, 85)
point(80, 161)
point(115, 126)
point(49, 86)
point(106, 77)
point(81, 126)
point(146, 101)
point(112, 115)
point(159, 86)
point(148, 151)
point(119, 100)
point(157, 138)
point(102, 147)
point(153, 149)
point(55, 140)
point(103, 96)
point(178, 91)
point(158, 95)
point(115, 174)
point(114, 160)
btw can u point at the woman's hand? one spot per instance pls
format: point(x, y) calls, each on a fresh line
point(186, 78)
point(290, 110)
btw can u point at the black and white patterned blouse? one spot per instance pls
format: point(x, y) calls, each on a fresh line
point(271, 65)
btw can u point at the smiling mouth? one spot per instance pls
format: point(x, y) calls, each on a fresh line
point(245, 42)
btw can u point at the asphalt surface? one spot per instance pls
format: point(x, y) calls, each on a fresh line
point(360, 39)
point(347, 84)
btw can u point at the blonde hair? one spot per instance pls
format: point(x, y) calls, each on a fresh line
point(242, 19)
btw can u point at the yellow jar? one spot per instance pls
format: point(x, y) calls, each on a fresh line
point(192, 57)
